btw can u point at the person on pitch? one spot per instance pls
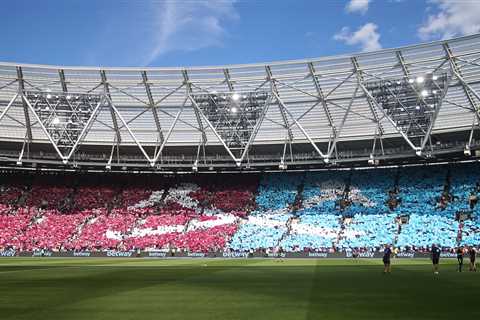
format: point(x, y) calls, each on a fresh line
point(387, 254)
point(460, 258)
point(472, 253)
point(435, 257)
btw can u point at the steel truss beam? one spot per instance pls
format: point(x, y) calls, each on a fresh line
point(282, 104)
point(228, 80)
point(132, 135)
point(359, 73)
point(151, 103)
point(21, 89)
point(467, 89)
point(274, 89)
point(24, 144)
point(106, 92)
point(8, 106)
point(85, 130)
point(374, 101)
point(333, 145)
point(326, 110)
point(407, 74)
point(253, 135)
point(256, 128)
point(188, 84)
point(63, 82)
point(194, 103)
point(44, 129)
point(470, 137)
point(170, 130)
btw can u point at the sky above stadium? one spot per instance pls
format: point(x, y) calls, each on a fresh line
point(216, 32)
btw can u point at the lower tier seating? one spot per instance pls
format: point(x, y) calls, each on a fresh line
point(311, 211)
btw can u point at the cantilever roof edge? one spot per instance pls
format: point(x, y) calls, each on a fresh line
point(247, 65)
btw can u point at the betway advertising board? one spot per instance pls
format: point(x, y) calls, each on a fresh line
point(232, 255)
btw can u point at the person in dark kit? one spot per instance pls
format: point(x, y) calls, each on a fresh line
point(460, 258)
point(387, 254)
point(435, 257)
point(472, 200)
point(472, 253)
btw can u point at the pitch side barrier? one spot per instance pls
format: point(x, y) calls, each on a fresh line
point(232, 255)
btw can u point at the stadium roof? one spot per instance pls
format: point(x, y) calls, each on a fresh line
point(412, 102)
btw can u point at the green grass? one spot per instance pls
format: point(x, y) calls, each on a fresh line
point(119, 288)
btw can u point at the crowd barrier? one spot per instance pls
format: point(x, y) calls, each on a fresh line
point(164, 254)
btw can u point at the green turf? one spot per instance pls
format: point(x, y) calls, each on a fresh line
point(118, 288)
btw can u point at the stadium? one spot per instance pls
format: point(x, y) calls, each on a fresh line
point(242, 191)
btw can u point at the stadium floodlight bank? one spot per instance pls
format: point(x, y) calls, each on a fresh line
point(413, 104)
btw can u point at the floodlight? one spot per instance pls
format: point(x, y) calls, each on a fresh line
point(420, 79)
point(56, 120)
point(424, 93)
point(235, 97)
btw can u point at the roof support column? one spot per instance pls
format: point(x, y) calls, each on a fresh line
point(106, 92)
point(151, 103)
point(21, 89)
point(467, 89)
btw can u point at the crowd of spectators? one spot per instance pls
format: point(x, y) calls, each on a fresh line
point(410, 207)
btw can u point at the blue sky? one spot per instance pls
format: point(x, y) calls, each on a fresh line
point(215, 32)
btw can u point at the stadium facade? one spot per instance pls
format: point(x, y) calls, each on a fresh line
point(413, 104)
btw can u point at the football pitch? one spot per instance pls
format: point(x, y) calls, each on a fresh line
point(122, 288)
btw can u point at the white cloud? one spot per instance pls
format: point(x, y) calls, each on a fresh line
point(366, 37)
point(451, 18)
point(189, 25)
point(360, 6)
